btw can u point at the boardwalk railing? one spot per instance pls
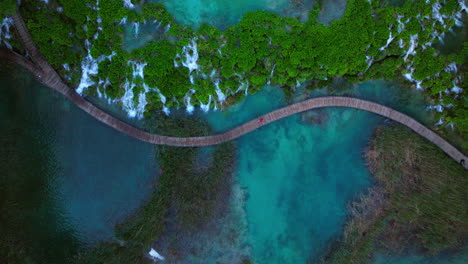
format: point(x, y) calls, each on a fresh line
point(44, 73)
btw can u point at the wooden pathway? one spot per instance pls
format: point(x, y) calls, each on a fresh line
point(45, 74)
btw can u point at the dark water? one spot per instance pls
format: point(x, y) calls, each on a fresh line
point(76, 178)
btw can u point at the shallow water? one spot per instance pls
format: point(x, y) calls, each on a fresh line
point(300, 177)
point(223, 13)
point(98, 176)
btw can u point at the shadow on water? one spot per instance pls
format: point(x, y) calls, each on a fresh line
point(69, 178)
point(34, 222)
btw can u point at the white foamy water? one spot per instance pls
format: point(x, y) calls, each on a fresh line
point(389, 40)
point(190, 54)
point(5, 31)
point(271, 74)
point(452, 68)
point(409, 77)
point(206, 107)
point(401, 25)
point(127, 100)
point(437, 108)
point(188, 105)
point(136, 28)
point(123, 21)
point(89, 67)
point(128, 4)
point(412, 48)
point(369, 60)
point(155, 255)
point(221, 96)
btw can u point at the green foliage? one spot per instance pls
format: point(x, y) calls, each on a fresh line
point(7, 8)
point(262, 46)
point(190, 194)
point(420, 198)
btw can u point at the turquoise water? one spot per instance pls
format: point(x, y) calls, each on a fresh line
point(300, 177)
point(95, 176)
point(222, 13)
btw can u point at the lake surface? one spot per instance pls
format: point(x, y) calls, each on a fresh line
point(295, 176)
point(92, 176)
point(300, 177)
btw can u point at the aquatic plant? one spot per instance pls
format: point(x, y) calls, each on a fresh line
point(419, 200)
point(185, 196)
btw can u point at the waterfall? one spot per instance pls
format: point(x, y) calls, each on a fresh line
point(190, 54)
point(221, 96)
point(89, 66)
point(206, 107)
point(369, 60)
point(243, 86)
point(413, 45)
point(136, 27)
point(401, 25)
point(409, 77)
point(128, 4)
point(436, 13)
point(5, 31)
point(271, 74)
point(438, 108)
point(389, 40)
point(189, 106)
point(155, 255)
point(128, 98)
point(451, 68)
point(123, 21)
point(456, 89)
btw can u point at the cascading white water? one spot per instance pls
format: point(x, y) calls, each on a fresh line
point(389, 40)
point(206, 107)
point(188, 105)
point(128, 97)
point(221, 96)
point(128, 4)
point(271, 74)
point(136, 28)
point(452, 68)
point(369, 60)
point(438, 108)
point(123, 21)
point(409, 77)
point(412, 48)
point(89, 66)
point(5, 31)
point(190, 53)
point(155, 255)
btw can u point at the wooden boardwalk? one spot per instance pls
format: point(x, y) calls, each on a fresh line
point(45, 74)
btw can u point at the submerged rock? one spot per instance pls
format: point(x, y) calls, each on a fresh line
point(315, 117)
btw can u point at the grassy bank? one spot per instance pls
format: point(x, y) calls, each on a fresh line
point(419, 199)
point(185, 197)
